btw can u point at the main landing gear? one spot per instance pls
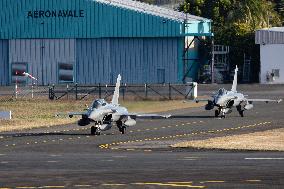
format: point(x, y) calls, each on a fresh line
point(220, 111)
point(95, 131)
point(121, 128)
point(239, 109)
point(217, 113)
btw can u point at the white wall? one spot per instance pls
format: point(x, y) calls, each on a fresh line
point(271, 57)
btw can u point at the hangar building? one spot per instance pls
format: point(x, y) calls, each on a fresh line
point(92, 41)
point(271, 43)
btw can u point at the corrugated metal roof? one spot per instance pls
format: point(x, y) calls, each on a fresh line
point(273, 35)
point(277, 29)
point(154, 10)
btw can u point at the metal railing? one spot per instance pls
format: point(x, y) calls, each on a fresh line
point(84, 92)
point(142, 92)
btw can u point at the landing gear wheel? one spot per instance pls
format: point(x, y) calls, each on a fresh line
point(223, 116)
point(97, 133)
point(93, 130)
point(241, 113)
point(217, 112)
point(123, 130)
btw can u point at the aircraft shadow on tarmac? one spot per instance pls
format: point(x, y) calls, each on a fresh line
point(50, 134)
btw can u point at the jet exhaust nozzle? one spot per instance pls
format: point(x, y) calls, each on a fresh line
point(209, 106)
point(228, 111)
point(83, 122)
point(130, 122)
point(105, 127)
point(248, 106)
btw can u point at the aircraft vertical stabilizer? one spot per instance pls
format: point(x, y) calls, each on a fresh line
point(116, 91)
point(235, 82)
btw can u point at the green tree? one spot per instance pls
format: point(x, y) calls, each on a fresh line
point(279, 7)
point(235, 22)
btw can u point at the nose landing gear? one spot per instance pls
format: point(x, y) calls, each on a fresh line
point(95, 130)
point(217, 113)
point(121, 128)
point(239, 109)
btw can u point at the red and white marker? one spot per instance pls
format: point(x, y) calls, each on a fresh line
point(29, 76)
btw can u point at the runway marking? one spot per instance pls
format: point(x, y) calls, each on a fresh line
point(187, 159)
point(113, 184)
point(190, 158)
point(169, 184)
point(4, 162)
point(147, 150)
point(179, 182)
point(82, 185)
point(52, 187)
point(119, 156)
point(59, 131)
point(264, 158)
point(52, 161)
point(2, 154)
point(55, 155)
point(26, 187)
point(107, 146)
point(253, 180)
point(108, 160)
point(213, 181)
point(5, 188)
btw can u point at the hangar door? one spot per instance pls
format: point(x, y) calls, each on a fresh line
point(51, 61)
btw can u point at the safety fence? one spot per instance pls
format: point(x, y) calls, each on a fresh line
point(82, 92)
point(129, 92)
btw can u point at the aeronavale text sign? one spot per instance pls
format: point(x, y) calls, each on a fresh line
point(56, 13)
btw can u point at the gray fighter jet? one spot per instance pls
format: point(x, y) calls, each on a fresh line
point(225, 100)
point(102, 114)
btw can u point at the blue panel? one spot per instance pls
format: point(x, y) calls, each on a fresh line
point(79, 19)
point(4, 73)
point(93, 61)
point(42, 56)
point(137, 59)
point(198, 29)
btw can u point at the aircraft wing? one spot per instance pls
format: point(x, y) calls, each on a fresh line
point(264, 100)
point(71, 114)
point(152, 116)
point(147, 116)
point(197, 100)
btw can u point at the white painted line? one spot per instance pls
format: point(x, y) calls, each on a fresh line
point(108, 160)
point(55, 155)
point(52, 161)
point(191, 157)
point(187, 159)
point(4, 162)
point(264, 158)
point(119, 156)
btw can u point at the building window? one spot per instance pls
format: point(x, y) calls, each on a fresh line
point(276, 72)
point(17, 70)
point(66, 72)
point(161, 75)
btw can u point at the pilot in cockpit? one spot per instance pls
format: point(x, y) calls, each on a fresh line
point(98, 103)
point(221, 91)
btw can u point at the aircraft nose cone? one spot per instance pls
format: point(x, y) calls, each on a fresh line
point(93, 115)
point(220, 101)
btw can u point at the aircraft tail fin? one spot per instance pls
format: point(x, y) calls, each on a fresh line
point(116, 91)
point(235, 82)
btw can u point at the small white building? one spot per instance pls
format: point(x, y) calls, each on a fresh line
point(271, 43)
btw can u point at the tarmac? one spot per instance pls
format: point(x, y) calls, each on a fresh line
point(69, 157)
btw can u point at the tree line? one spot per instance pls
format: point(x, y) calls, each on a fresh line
point(235, 22)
